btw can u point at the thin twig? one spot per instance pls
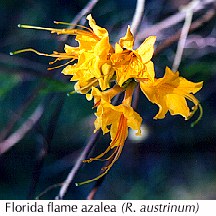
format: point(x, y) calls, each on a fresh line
point(21, 132)
point(85, 11)
point(137, 16)
point(136, 97)
point(210, 14)
point(196, 41)
point(184, 34)
point(93, 192)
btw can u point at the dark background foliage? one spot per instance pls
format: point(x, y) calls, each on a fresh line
point(174, 161)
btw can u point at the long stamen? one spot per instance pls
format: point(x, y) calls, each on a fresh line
point(62, 65)
point(63, 31)
point(36, 27)
point(75, 25)
point(118, 153)
point(60, 56)
point(199, 117)
point(29, 50)
point(197, 105)
point(98, 157)
point(105, 159)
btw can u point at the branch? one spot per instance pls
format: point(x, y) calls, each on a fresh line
point(184, 34)
point(137, 16)
point(198, 42)
point(98, 183)
point(85, 11)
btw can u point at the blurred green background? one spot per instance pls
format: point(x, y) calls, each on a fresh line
point(173, 161)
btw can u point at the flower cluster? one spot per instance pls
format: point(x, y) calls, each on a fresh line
point(102, 72)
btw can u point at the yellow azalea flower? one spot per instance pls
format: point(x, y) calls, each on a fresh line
point(170, 94)
point(93, 66)
point(130, 63)
point(116, 120)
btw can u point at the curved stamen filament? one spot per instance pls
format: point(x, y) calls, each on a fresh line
point(62, 65)
point(63, 31)
point(98, 157)
point(199, 117)
point(118, 153)
point(75, 25)
point(60, 56)
point(29, 50)
point(197, 105)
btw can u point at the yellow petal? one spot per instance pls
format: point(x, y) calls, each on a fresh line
point(71, 50)
point(128, 40)
point(150, 70)
point(177, 105)
point(146, 49)
point(163, 109)
point(100, 32)
point(118, 49)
